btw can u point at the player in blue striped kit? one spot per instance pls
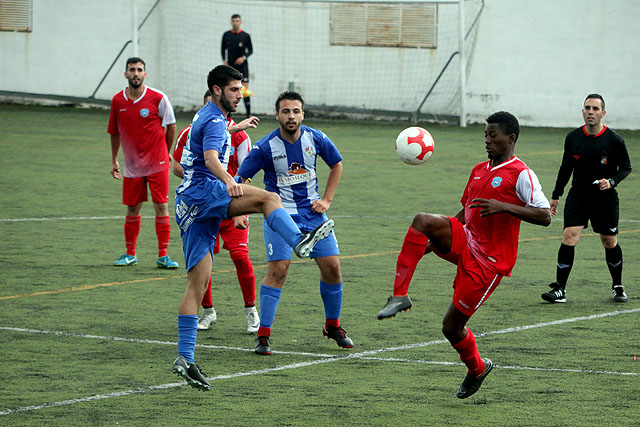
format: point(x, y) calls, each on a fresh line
point(288, 157)
point(209, 194)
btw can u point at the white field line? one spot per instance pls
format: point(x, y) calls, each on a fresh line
point(367, 355)
point(99, 218)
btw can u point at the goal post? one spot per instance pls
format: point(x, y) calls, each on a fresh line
point(371, 59)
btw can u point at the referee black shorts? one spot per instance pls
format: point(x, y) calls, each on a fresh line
point(244, 69)
point(599, 207)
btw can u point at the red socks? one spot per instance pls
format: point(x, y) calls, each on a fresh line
point(469, 354)
point(246, 277)
point(131, 231)
point(413, 247)
point(163, 231)
point(207, 299)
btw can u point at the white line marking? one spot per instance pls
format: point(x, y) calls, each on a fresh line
point(120, 217)
point(330, 359)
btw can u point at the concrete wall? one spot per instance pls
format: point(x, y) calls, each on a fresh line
point(535, 59)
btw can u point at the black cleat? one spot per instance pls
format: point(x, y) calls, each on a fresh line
point(619, 295)
point(394, 305)
point(471, 384)
point(309, 240)
point(556, 294)
point(338, 334)
point(191, 373)
point(263, 345)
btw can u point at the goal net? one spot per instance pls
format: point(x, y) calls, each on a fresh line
point(377, 59)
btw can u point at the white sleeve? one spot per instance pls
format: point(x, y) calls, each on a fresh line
point(165, 110)
point(242, 150)
point(529, 190)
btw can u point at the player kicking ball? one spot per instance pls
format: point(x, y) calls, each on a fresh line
point(481, 239)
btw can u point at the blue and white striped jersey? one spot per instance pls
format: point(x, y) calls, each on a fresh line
point(290, 169)
point(208, 132)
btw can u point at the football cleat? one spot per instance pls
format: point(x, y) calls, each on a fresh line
point(252, 318)
point(126, 260)
point(166, 262)
point(207, 318)
point(556, 294)
point(471, 383)
point(394, 305)
point(263, 345)
point(338, 334)
point(619, 295)
point(309, 240)
point(191, 373)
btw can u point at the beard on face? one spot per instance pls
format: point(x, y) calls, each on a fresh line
point(135, 84)
point(228, 105)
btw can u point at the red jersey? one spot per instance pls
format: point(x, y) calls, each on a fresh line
point(493, 239)
point(140, 125)
point(240, 147)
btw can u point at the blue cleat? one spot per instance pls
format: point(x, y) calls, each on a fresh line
point(166, 262)
point(126, 260)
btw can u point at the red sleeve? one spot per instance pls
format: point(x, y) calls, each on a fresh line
point(182, 140)
point(113, 123)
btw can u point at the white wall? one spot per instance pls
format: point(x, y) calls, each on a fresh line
point(536, 59)
point(540, 59)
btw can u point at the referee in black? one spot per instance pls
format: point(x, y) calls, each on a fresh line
point(235, 49)
point(599, 161)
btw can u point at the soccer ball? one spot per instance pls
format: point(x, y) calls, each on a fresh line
point(414, 146)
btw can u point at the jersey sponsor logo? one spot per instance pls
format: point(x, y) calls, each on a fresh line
point(186, 214)
point(476, 177)
point(284, 156)
point(296, 175)
point(123, 109)
point(144, 112)
point(495, 183)
point(614, 229)
point(462, 303)
point(492, 259)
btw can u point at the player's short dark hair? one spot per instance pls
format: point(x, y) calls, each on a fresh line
point(134, 60)
point(506, 121)
point(595, 96)
point(291, 96)
point(235, 15)
point(206, 95)
point(221, 76)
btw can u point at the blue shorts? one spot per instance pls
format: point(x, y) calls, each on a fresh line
point(278, 249)
point(199, 211)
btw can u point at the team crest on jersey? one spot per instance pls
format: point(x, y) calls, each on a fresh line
point(576, 156)
point(496, 182)
point(603, 160)
point(144, 112)
point(232, 150)
point(309, 151)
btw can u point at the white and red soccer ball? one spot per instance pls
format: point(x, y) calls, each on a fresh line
point(414, 146)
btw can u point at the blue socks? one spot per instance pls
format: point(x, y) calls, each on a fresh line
point(280, 222)
point(269, 299)
point(187, 330)
point(332, 299)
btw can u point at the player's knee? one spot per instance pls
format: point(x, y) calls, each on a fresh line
point(331, 275)
point(278, 273)
point(238, 254)
point(270, 197)
point(424, 222)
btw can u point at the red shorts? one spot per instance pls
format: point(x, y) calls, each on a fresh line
point(134, 190)
point(473, 282)
point(234, 239)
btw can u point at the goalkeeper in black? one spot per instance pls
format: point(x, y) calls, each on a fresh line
point(235, 48)
point(599, 161)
